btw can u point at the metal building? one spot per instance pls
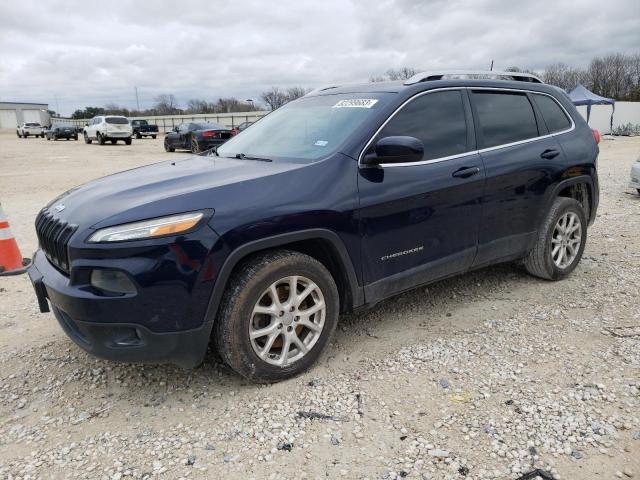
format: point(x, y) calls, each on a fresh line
point(13, 114)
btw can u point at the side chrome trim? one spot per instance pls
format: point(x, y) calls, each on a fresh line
point(471, 152)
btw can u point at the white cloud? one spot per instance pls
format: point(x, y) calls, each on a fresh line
point(86, 54)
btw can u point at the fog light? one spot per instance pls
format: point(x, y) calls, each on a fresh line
point(112, 281)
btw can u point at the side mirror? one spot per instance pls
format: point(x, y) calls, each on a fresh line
point(398, 149)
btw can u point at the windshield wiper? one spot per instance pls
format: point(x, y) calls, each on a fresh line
point(242, 156)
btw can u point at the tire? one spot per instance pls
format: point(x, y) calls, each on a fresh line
point(167, 148)
point(100, 138)
point(138, 136)
point(87, 140)
point(250, 284)
point(18, 134)
point(127, 141)
point(638, 189)
point(195, 148)
point(153, 136)
point(75, 137)
point(25, 135)
point(48, 138)
point(540, 261)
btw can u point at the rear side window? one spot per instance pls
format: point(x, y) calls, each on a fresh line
point(437, 119)
point(504, 117)
point(553, 115)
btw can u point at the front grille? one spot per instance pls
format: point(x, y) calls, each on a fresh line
point(53, 236)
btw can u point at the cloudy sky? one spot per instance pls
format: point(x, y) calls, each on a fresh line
point(85, 53)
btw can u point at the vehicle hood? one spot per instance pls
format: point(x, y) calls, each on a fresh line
point(165, 188)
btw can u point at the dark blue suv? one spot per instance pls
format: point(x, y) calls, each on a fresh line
point(329, 204)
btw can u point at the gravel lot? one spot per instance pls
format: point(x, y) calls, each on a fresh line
point(488, 375)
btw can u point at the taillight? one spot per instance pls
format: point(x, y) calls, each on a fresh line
point(209, 134)
point(596, 135)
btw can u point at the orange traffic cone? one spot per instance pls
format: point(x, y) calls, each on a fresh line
point(11, 261)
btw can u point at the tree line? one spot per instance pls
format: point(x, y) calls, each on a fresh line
point(167, 104)
point(616, 75)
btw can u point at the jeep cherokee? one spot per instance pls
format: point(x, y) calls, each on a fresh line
point(331, 203)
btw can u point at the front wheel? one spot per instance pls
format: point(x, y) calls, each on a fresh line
point(18, 134)
point(277, 315)
point(127, 141)
point(153, 136)
point(138, 136)
point(168, 147)
point(195, 147)
point(75, 137)
point(561, 241)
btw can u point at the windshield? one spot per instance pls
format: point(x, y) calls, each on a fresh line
point(139, 122)
point(306, 129)
point(31, 124)
point(63, 125)
point(116, 120)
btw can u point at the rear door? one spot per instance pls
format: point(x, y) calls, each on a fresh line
point(419, 222)
point(522, 163)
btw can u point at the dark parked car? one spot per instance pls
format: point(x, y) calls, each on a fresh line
point(142, 128)
point(196, 137)
point(62, 130)
point(330, 204)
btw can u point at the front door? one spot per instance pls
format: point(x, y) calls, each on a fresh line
point(419, 222)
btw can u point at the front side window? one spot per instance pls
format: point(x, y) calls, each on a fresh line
point(554, 117)
point(504, 117)
point(437, 119)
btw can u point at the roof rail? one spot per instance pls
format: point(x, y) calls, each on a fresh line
point(492, 74)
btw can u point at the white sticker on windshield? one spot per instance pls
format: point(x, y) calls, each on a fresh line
point(356, 103)
point(321, 143)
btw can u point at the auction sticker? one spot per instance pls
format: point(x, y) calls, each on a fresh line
point(356, 103)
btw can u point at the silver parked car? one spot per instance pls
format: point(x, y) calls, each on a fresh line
point(635, 175)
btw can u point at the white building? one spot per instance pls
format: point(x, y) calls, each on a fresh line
point(13, 114)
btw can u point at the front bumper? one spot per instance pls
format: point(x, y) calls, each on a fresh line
point(88, 319)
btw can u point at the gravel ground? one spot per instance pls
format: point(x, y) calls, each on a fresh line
point(485, 376)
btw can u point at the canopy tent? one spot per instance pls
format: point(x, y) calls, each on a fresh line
point(581, 96)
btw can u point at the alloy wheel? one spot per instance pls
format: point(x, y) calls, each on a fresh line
point(566, 240)
point(287, 320)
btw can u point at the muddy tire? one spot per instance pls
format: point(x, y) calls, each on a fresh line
point(277, 316)
point(561, 241)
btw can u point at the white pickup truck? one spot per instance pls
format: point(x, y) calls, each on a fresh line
point(30, 128)
point(108, 128)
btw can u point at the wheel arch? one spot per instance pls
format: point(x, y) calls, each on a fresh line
point(323, 245)
point(580, 188)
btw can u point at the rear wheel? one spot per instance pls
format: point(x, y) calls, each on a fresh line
point(87, 140)
point(195, 148)
point(100, 138)
point(25, 134)
point(18, 134)
point(75, 137)
point(138, 136)
point(561, 241)
point(153, 136)
point(278, 313)
point(127, 141)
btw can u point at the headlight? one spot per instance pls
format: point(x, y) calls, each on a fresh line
point(156, 227)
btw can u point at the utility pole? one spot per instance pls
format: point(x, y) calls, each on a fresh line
point(137, 99)
point(491, 69)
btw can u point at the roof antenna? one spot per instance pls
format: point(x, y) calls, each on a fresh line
point(491, 68)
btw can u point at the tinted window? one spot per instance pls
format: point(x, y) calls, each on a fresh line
point(504, 117)
point(553, 115)
point(117, 120)
point(437, 119)
point(183, 127)
point(209, 126)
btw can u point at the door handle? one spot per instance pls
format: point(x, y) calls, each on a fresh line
point(550, 153)
point(465, 172)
